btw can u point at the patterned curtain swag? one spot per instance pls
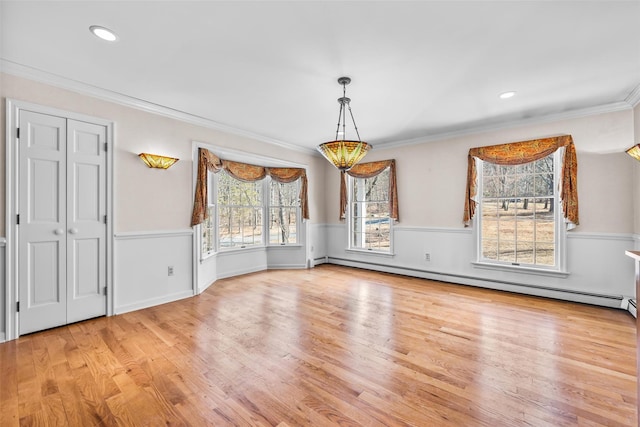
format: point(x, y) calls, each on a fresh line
point(207, 161)
point(518, 153)
point(369, 170)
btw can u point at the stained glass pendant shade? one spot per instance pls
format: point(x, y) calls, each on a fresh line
point(344, 153)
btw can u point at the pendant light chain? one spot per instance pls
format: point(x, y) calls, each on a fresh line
point(342, 152)
point(354, 123)
point(342, 114)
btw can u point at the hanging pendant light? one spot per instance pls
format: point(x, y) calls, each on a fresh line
point(344, 153)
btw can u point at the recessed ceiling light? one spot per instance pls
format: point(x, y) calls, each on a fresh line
point(507, 95)
point(103, 33)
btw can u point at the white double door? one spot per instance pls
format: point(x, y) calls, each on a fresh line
point(62, 221)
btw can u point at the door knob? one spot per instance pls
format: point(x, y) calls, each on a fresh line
point(59, 231)
point(73, 230)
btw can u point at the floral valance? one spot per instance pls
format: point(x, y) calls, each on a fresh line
point(207, 161)
point(517, 153)
point(369, 170)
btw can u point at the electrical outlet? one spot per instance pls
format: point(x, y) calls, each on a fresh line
point(427, 256)
point(170, 271)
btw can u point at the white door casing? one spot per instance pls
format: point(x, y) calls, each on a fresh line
point(59, 257)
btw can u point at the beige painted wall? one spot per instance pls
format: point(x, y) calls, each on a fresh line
point(149, 199)
point(431, 176)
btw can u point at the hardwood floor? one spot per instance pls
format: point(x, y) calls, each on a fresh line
point(330, 346)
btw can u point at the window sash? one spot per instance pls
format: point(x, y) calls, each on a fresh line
point(369, 221)
point(284, 229)
point(532, 239)
point(242, 225)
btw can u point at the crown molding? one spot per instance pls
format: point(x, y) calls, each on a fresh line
point(19, 70)
point(41, 76)
point(492, 127)
point(634, 97)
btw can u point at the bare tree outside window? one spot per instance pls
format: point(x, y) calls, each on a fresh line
point(517, 213)
point(370, 220)
point(208, 232)
point(239, 212)
point(237, 209)
point(283, 216)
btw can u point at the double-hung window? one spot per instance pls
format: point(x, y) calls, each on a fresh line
point(368, 215)
point(241, 214)
point(284, 211)
point(520, 218)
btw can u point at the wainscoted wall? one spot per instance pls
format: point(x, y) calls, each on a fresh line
point(3, 300)
point(318, 244)
point(141, 268)
point(236, 262)
point(600, 272)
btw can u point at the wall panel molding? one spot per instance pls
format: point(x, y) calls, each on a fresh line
point(152, 234)
point(142, 262)
point(600, 272)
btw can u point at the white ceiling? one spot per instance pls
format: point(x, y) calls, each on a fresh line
point(420, 69)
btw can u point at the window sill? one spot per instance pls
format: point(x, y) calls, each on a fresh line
point(371, 252)
point(518, 269)
point(252, 248)
point(206, 256)
point(286, 246)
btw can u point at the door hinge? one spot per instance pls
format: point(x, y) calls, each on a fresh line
point(18, 306)
point(104, 291)
point(18, 133)
point(105, 146)
point(105, 219)
point(18, 219)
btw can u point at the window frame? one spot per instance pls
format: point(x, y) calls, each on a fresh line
point(261, 209)
point(269, 207)
point(560, 256)
point(266, 208)
point(349, 219)
point(212, 189)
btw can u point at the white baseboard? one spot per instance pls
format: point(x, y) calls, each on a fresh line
point(321, 260)
point(241, 272)
point(204, 288)
point(153, 302)
point(613, 301)
point(287, 267)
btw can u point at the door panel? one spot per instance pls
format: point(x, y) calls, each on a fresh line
point(43, 283)
point(42, 228)
point(87, 192)
point(86, 210)
point(44, 203)
point(86, 255)
point(62, 230)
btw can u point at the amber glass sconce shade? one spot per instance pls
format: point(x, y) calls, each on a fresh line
point(634, 152)
point(157, 161)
